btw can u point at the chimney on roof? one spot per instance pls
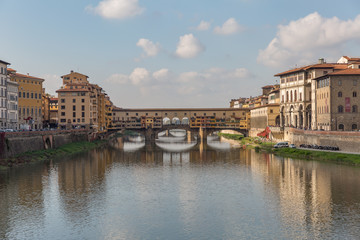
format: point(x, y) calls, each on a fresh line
point(321, 61)
point(71, 71)
point(28, 74)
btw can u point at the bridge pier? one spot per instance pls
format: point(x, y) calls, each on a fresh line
point(202, 134)
point(149, 135)
point(189, 136)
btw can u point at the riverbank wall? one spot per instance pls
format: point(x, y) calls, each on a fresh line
point(14, 143)
point(346, 141)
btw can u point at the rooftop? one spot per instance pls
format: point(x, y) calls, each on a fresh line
point(337, 66)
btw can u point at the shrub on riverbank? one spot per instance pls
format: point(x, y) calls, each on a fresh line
point(259, 145)
point(231, 136)
point(353, 159)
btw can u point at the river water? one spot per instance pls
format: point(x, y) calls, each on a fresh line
point(179, 189)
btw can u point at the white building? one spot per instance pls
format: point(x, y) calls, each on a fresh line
point(12, 104)
point(298, 93)
point(3, 94)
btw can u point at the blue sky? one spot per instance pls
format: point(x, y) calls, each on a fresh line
point(167, 53)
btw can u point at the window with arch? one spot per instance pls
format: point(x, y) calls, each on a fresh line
point(295, 96)
point(340, 94)
point(354, 94)
point(340, 109)
point(291, 96)
point(287, 96)
point(354, 127)
point(354, 108)
point(341, 127)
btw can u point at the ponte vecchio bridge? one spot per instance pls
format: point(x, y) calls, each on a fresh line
point(200, 121)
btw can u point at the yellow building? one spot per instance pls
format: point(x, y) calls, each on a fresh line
point(82, 104)
point(30, 95)
point(75, 106)
point(108, 112)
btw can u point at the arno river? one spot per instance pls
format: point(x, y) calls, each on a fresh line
point(179, 189)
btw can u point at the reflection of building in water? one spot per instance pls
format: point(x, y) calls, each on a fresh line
point(304, 190)
point(176, 158)
point(79, 178)
point(22, 198)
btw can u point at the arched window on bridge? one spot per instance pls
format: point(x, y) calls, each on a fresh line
point(185, 121)
point(166, 121)
point(175, 121)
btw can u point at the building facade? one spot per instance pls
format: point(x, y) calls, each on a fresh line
point(30, 95)
point(297, 94)
point(338, 100)
point(12, 105)
point(3, 94)
point(81, 104)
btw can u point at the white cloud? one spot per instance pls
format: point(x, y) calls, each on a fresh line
point(162, 75)
point(203, 26)
point(139, 76)
point(192, 84)
point(117, 9)
point(118, 79)
point(189, 47)
point(229, 27)
point(151, 49)
point(304, 40)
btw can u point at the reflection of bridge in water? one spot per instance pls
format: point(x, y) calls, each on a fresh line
point(195, 121)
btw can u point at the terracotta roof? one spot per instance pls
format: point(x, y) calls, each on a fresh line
point(74, 72)
point(351, 59)
point(72, 90)
point(348, 71)
point(15, 74)
point(268, 86)
point(316, 66)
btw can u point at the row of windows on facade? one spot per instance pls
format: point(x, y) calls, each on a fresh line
point(353, 127)
point(74, 107)
point(74, 114)
point(292, 78)
point(156, 114)
point(29, 95)
point(62, 120)
point(73, 100)
point(326, 82)
point(72, 94)
point(293, 97)
point(325, 109)
point(29, 110)
point(27, 81)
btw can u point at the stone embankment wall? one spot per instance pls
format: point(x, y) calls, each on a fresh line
point(13, 143)
point(346, 141)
